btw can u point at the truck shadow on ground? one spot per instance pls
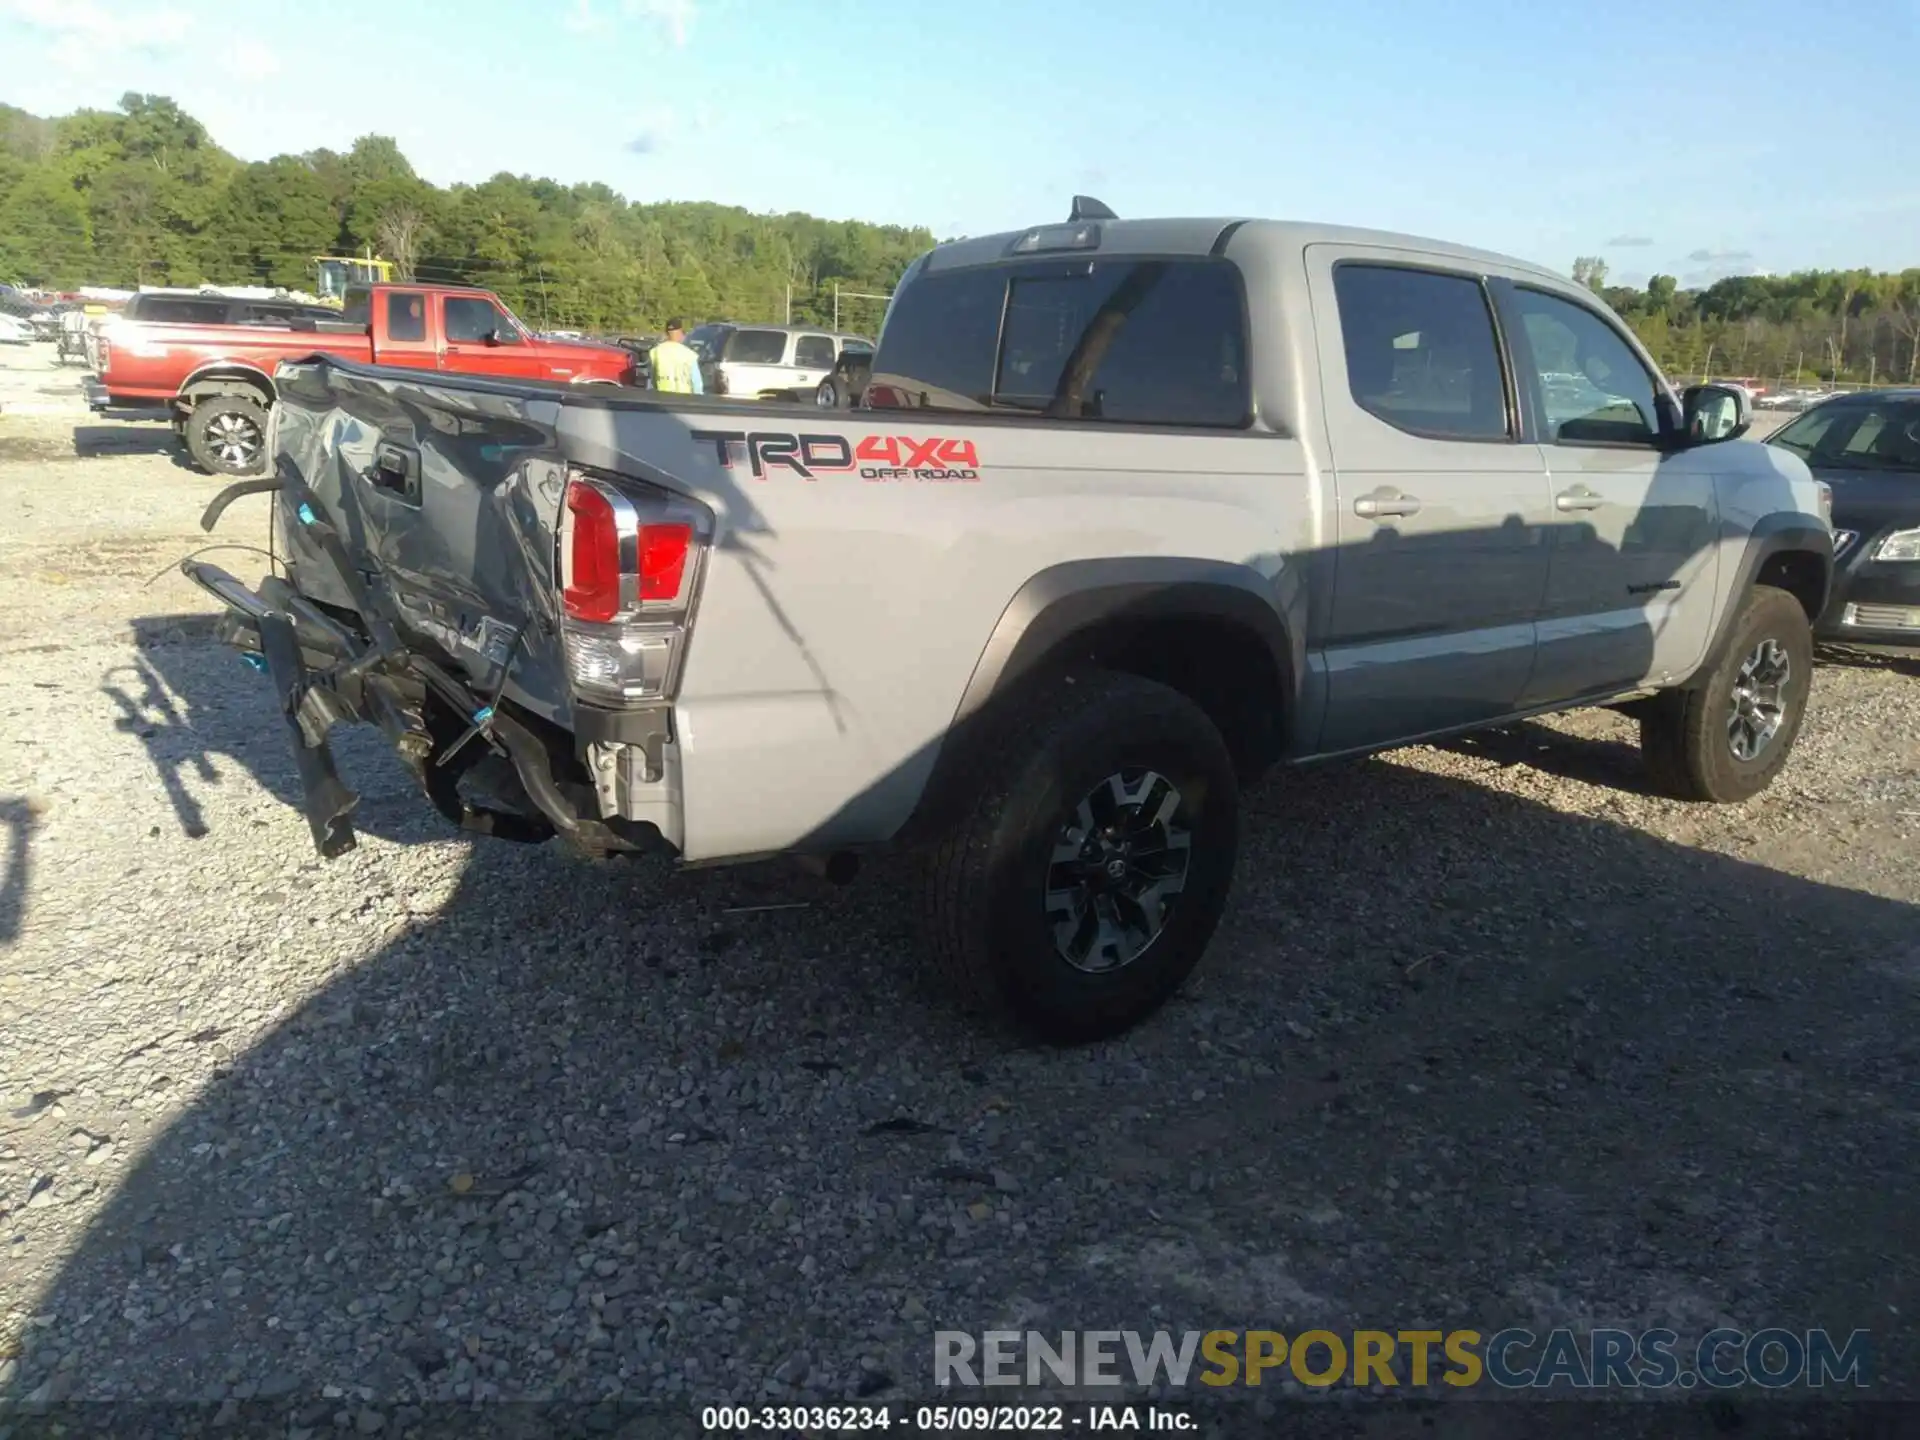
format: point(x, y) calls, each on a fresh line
point(139, 437)
point(1614, 764)
point(584, 1123)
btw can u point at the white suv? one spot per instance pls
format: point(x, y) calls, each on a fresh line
point(769, 362)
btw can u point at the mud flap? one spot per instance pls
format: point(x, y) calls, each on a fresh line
point(327, 801)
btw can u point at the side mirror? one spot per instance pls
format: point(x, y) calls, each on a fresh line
point(1712, 413)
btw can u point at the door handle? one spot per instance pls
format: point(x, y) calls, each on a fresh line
point(1578, 498)
point(1384, 503)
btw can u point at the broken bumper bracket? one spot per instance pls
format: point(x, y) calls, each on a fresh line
point(326, 799)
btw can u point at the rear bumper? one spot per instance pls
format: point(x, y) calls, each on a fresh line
point(96, 394)
point(326, 674)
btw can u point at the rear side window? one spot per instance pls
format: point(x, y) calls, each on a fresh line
point(172, 310)
point(757, 347)
point(406, 315)
point(1144, 342)
point(357, 309)
point(1421, 352)
point(813, 352)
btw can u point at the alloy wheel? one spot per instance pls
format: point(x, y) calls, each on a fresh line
point(1117, 869)
point(1758, 707)
point(235, 439)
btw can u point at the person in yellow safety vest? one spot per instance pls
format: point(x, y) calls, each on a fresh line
point(675, 364)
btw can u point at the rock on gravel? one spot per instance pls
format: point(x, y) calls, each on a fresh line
point(1489, 1037)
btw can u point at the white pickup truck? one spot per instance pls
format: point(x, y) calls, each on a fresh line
point(1131, 509)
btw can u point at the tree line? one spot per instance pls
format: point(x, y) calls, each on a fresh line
point(1846, 326)
point(142, 195)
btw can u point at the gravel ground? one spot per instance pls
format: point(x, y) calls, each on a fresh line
point(1489, 1037)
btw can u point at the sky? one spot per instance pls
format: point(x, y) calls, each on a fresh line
point(1699, 142)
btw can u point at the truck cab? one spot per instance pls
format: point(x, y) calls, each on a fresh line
point(472, 332)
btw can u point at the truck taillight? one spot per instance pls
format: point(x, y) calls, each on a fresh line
point(589, 555)
point(629, 567)
point(663, 559)
point(103, 347)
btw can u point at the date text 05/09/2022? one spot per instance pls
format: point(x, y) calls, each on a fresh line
point(942, 1419)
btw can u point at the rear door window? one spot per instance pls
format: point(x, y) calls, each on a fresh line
point(757, 347)
point(1421, 351)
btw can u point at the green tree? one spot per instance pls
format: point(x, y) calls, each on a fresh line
point(274, 218)
point(45, 237)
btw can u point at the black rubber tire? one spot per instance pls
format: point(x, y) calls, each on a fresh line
point(829, 395)
point(985, 878)
point(1683, 733)
point(200, 446)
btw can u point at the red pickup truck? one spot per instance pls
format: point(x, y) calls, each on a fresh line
point(218, 379)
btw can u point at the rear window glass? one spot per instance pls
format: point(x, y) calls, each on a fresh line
point(1146, 342)
point(757, 347)
point(179, 310)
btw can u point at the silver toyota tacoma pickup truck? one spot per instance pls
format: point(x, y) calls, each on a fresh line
point(1132, 509)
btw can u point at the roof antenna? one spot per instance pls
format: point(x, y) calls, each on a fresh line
point(1085, 207)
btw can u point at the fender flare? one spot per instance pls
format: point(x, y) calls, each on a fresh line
point(225, 377)
point(1781, 533)
point(1086, 597)
point(1072, 598)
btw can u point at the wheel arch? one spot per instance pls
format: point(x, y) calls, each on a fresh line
point(1790, 551)
point(1213, 630)
point(228, 377)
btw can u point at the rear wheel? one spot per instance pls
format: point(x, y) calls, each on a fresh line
point(1092, 859)
point(827, 394)
point(227, 435)
point(1726, 737)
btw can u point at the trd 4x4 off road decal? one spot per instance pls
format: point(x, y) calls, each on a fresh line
point(877, 457)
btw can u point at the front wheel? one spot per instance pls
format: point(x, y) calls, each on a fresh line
point(227, 435)
point(1092, 859)
point(1724, 738)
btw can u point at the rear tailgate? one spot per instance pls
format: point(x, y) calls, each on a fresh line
point(449, 494)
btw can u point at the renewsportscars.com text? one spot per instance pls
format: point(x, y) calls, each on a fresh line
point(1512, 1359)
